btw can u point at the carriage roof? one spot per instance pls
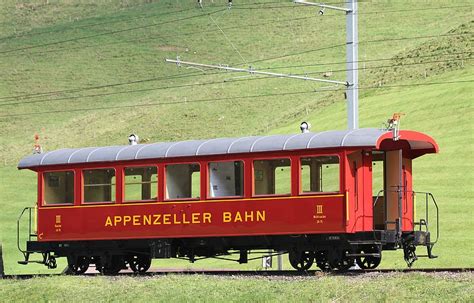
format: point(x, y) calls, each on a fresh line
point(366, 137)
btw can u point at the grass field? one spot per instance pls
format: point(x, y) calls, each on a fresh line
point(173, 288)
point(34, 58)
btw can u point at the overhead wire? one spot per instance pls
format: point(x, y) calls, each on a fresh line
point(107, 33)
point(228, 40)
point(232, 98)
point(413, 9)
point(191, 85)
point(125, 19)
point(192, 74)
point(372, 60)
point(194, 32)
point(186, 18)
point(44, 94)
point(76, 27)
point(162, 103)
point(151, 37)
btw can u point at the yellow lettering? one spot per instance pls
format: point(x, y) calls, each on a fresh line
point(238, 217)
point(136, 220)
point(108, 221)
point(157, 219)
point(117, 219)
point(175, 219)
point(261, 215)
point(195, 218)
point(184, 219)
point(249, 216)
point(126, 219)
point(166, 219)
point(226, 217)
point(147, 220)
point(206, 217)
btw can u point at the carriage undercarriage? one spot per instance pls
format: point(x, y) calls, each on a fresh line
point(330, 252)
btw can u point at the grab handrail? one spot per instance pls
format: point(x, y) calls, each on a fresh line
point(18, 221)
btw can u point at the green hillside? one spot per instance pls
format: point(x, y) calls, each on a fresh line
point(91, 72)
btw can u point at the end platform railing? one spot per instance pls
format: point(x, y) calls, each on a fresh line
point(423, 223)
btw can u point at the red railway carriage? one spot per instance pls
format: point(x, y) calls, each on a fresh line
point(335, 198)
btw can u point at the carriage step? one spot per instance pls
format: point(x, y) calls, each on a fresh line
point(368, 242)
point(376, 255)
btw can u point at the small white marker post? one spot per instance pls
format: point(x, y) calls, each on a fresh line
point(267, 261)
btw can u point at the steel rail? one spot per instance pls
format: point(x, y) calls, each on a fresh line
point(227, 272)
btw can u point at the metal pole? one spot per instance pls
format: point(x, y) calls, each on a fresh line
point(352, 41)
point(322, 5)
point(2, 270)
point(280, 261)
point(252, 71)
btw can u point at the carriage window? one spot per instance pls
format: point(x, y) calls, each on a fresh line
point(58, 187)
point(99, 185)
point(182, 181)
point(141, 183)
point(226, 179)
point(320, 174)
point(272, 177)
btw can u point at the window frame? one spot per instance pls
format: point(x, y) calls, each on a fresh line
point(123, 184)
point(278, 157)
point(165, 182)
point(43, 196)
point(208, 181)
point(313, 193)
point(83, 186)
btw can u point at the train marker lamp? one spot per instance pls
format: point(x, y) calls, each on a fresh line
point(305, 126)
point(393, 124)
point(133, 139)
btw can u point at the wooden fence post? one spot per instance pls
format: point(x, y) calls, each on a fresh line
point(2, 272)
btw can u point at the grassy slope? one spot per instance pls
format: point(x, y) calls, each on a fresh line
point(393, 288)
point(93, 61)
point(89, 62)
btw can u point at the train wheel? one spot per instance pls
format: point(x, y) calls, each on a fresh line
point(114, 266)
point(323, 265)
point(322, 261)
point(79, 265)
point(140, 264)
point(301, 260)
point(369, 262)
point(343, 265)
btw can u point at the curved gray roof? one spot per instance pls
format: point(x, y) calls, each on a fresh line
point(327, 139)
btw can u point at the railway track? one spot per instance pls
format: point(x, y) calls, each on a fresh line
point(261, 273)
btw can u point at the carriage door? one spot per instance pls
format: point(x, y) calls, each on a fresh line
point(393, 189)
